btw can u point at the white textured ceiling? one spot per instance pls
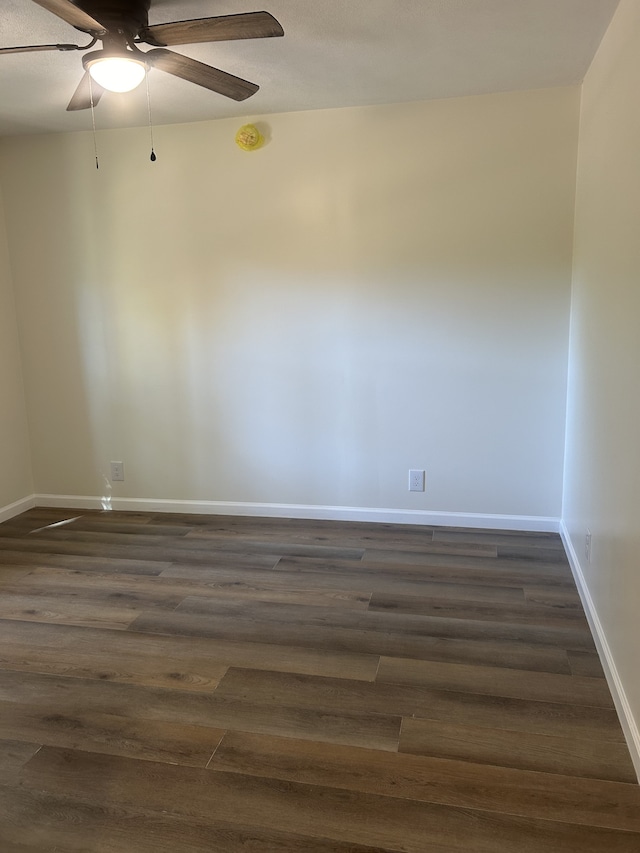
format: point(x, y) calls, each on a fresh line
point(335, 53)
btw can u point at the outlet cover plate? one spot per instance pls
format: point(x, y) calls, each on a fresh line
point(416, 480)
point(117, 472)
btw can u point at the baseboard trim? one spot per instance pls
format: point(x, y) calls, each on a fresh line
point(627, 720)
point(332, 513)
point(15, 508)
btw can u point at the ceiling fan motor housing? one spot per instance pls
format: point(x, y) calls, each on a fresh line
point(125, 16)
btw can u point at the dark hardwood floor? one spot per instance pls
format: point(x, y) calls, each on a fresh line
point(207, 683)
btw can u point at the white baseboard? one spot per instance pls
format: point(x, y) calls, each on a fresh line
point(11, 510)
point(331, 513)
point(627, 720)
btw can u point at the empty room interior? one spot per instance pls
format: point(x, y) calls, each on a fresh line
point(319, 467)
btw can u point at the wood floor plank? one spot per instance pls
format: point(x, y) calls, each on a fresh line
point(12, 574)
point(66, 540)
point(167, 591)
point(66, 610)
point(434, 591)
point(179, 673)
point(344, 695)
point(515, 613)
point(552, 599)
point(40, 552)
point(552, 567)
point(318, 531)
point(144, 738)
point(248, 525)
point(318, 811)
point(571, 636)
point(441, 569)
point(346, 575)
point(22, 531)
point(114, 516)
point(455, 783)
point(109, 656)
point(500, 537)
point(14, 754)
point(137, 527)
point(586, 664)
point(65, 586)
point(418, 546)
point(74, 697)
point(279, 547)
point(570, 755)
point(112, 565)
point(537, 553)
point(358, 641)
point(22, 525)
point(110, 516)
point(496, 681)
point(35, 821)
point(191, 663)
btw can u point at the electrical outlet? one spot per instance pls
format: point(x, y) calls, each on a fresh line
point(117, 472)
point(587, 546)
point(416, 480)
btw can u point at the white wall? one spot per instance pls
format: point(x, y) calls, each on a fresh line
point(16, 482)
point(602, 482)
point(376, 289)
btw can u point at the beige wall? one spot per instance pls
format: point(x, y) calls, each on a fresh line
point(376, 289)
point(602, 486)
point(16, 482)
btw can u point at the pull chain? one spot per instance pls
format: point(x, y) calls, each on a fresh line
point(153, 157)
point(93, 122)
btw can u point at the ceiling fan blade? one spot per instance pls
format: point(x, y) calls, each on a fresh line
point(251, 25)
point(201, 74)
point(28, 48)
point(66, 10)
point(81, 99)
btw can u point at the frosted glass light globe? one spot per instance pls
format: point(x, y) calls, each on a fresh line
point(117, 74)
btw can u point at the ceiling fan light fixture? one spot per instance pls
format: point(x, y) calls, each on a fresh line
point(120, 66)
point(117, 73)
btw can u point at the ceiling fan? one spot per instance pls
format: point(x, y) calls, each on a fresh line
point(122, 25)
